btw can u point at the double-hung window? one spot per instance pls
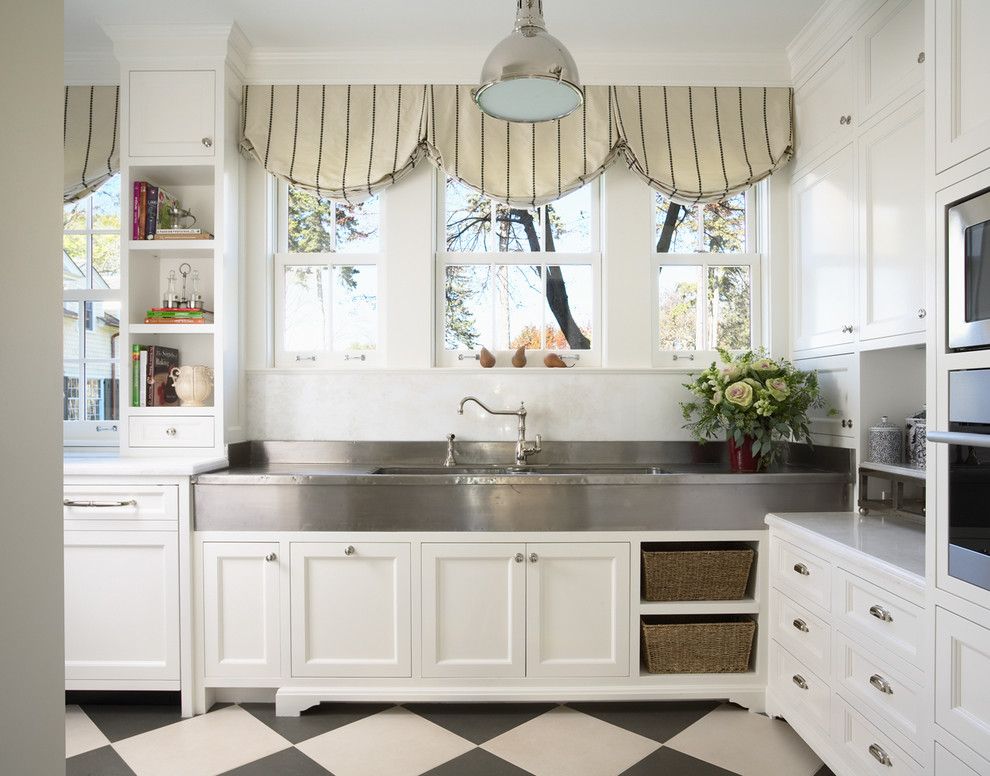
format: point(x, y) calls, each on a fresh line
point(328, 280)
point(518, 277)
point(91, 316)
point(706, 279)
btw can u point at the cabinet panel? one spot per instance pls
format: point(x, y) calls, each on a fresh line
point(890, 45)
point(824, 249)
point(892, 220)
point(802, 633)
point(799, 687)
point(172, 112)
point(577, 609)
point(822, 104)
point(838, 377)
point(871, 751)
point(474, 599)
point(350, 609)
point(121, 605)
point(947, 764)
point(962, 665)
point(804, 577)
point(120, 502)
point(241, 608)
point(170, 431)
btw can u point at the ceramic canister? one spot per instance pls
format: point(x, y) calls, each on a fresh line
point(917, 436)
point(885, 443)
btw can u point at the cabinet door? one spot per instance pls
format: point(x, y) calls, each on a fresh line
point(577, 609)
point(824, 254)
point(172, 113)
point(892, 224)
point(891, 45)
point(838, 377)
point(962, 665)
point(824, 107)
point(474, 600)
point(241, 608)
point(962, 71)
point(350, 609)
point(121, 605)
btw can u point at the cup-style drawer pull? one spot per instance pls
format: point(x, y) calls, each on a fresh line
point(799, 681)
point(801, 569)
point(349, 549)
point(880, 755)
point(126, 503)
point(801, 625)
point(881, 684)
point(881, 613)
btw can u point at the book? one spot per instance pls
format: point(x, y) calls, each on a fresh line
point(180, 230)
point(142, 208)
point(175, 321)
point(169, 314)
point(143, 370)
point(160, 387)
point(151, 216)
point(135, 375)
point(184, 236)
point(135, 207)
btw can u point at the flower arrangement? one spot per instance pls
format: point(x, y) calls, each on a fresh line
point(757, 400)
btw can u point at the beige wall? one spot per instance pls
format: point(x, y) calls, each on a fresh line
point(31, 673)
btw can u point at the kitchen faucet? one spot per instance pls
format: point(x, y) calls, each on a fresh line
point(523, 450)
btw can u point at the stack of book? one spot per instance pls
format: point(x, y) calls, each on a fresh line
point(154, 213)
point(178, 315)
point(151, 381)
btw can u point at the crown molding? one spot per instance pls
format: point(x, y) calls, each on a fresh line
point(86, 68)
point(825, 32)
point(201, 42)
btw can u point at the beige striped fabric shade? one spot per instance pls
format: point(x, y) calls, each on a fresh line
point(694, 144)
point(89, 135)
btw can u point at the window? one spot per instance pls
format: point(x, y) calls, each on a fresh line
point(706, 278)
point(513, 277)
point(91, 316)
point(327, 280)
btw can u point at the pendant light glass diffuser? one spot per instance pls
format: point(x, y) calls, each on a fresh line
point(529, 76)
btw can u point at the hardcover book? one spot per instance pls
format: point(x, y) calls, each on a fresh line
point(151, 222)
point(161, 390)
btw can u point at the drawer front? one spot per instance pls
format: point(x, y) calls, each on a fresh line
point(962, 679)
point(171, 432)
point(120, 502)
point(861, 676)
point(870, 750)
point(799, 687)
point(948, 764)
point(805, 635)
point(893, 622)
point(803, 576)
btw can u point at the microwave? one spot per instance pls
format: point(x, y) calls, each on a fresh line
point(968, 261)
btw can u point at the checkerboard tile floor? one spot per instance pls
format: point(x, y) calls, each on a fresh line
point(506, 739)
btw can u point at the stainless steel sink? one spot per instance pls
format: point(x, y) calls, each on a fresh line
point(496, 470)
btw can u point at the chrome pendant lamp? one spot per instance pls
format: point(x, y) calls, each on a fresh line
point(529, 76)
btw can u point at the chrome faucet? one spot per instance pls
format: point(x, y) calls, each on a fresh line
point(450, 460)
point(523, 448)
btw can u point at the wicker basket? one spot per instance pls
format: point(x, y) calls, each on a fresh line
point(697, 646)
point(696, 575)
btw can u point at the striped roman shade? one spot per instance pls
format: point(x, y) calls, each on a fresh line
point(694, 144)
point(89, 135)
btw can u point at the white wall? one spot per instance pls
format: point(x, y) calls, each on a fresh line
point(31, 645)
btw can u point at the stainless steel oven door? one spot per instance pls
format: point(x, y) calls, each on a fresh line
point(969, 273)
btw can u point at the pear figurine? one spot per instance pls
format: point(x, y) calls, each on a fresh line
point(554, 361)
point(519, 358)
point(486, 358)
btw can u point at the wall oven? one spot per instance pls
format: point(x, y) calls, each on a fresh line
point(968, 439)
point(968, 260)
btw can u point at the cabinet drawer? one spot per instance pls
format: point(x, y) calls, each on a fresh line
point(795, 685)
point(166, 431)
point(893, 622)
point(803, 576)
point(869, 749)
point(861, 676)
point(948, 764)
point(120, 502)
point(962, 668)
point(804, 634)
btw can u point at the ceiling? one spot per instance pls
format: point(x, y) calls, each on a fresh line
point(695, 27)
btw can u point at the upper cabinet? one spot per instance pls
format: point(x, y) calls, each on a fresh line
point(962, 70)
point(825, 106)
point(172, 113)
point(891, 50)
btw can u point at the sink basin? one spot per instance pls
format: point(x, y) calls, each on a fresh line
point(495, 470)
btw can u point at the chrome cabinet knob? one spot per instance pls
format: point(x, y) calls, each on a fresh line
point(533, 557)
point(842, 120)
point(881, 613)
point(848, 329)
point(880, 755)
point(170, 431)
point(922, 312)
point(801, 625)
point(801, 569)
point(349, 549)
point(921, 57)
point(799, 681)
point(849, 423)
point(207, 142)
point(520, 557)
point(271, 556)
point(881, 684)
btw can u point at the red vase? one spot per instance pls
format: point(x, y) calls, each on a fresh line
point(741, 458)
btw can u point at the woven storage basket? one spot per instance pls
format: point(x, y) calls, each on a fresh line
point(697, 647)
point(696, 575)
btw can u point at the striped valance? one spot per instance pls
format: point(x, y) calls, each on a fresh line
point(694, 144)
point(89, 134)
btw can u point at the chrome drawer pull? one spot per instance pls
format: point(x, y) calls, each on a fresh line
point(881, 684)
point(70, 503)
point(880, 613)
point(801, 625)
point(801, 569)
point(799, 681)
point(880, 755)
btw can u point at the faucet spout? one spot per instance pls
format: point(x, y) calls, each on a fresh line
point(523, 449)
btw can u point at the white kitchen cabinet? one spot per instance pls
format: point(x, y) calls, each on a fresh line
point(891, 50)
point(962, 71)
point(172, 113)
point(949, 764)
point(577, 609)
point(121, 605)
point(962, 665)
point(824, 247)
point(825, 107)
point(350, 609)
point(241, 609)
point(892, 224)
point(473, 610)
point(838, 377)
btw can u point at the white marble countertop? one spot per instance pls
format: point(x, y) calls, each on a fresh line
point(113, 464)
point(898, 542)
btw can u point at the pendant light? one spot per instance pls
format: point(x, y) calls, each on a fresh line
point(529, 76)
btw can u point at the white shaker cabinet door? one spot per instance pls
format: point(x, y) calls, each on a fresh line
point(838, 377)
point(350, 609)
point(121, 605)
point(474, 603)
point(891, 46)
point(825, 107)
point(577, 609)
point(962, 676)
point(172, 113)
point(241, 608)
